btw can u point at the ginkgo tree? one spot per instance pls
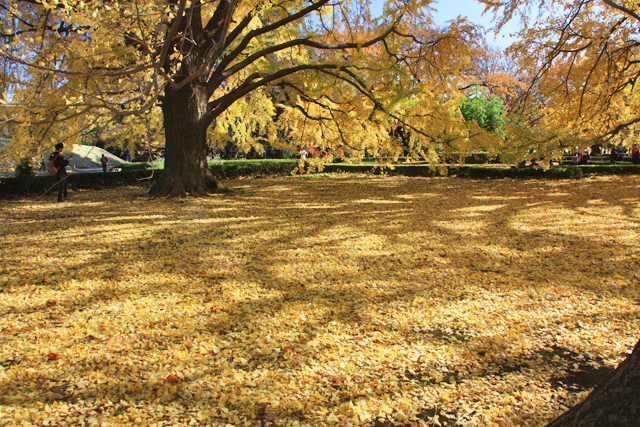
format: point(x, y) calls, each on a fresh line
point(581, 60)
point(197, 71)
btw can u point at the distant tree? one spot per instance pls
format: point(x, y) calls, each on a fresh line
point(487, 110)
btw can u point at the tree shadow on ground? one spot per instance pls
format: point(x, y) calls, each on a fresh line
point(253, 264)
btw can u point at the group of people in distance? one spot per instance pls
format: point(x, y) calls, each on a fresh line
point(58, 164)
point(581, 157)
point(616, 154)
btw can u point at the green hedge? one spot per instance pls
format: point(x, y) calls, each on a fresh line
point(257, 168)
point(558, 172)
point(236, 168)
point(598, 160)
point(484, 172)
point(41, 183)
point(617, 169)
point(133, 167)
point(477, 158)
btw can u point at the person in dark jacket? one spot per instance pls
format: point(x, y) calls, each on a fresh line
point(103, 160)
point(60, 163)
point(613, 157)
point(635, 154)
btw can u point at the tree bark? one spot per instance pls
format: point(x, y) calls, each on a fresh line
point(613, 403)
point(186, 169)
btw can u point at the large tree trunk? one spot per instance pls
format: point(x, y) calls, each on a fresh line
point(613, 403)
point(185, 168)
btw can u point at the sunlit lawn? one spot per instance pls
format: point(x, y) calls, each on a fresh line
point(333, 301)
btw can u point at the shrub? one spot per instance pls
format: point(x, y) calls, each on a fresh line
point(254, 168)
point(158, 163)
point(617, 169)
point(132, 167)
point(306, 167)
point(12, 186)
point(257, 168)
point(466, 171)
point(25, 174)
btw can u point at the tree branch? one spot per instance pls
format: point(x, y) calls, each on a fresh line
point(112, 73)
point(218, 106)
point(622, 9)
point(217, 77)
point(169, 39)
point(303, 42)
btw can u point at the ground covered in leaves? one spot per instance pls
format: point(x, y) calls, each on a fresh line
point(353, 300)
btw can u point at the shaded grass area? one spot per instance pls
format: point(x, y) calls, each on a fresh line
point(352, 299)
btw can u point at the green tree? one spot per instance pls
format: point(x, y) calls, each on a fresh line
point(487, 110)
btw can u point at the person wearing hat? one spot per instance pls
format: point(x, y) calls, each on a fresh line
point(60, 164)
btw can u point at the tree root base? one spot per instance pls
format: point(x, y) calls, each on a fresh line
point(179, 191)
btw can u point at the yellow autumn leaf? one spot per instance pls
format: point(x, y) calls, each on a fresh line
point(318, 300)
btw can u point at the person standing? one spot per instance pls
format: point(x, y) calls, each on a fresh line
point(613, 157)
point(635, 154)
point(103, 160)
point(575, 158)
point(60, 164)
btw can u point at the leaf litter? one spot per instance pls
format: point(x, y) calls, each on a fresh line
point(350, 300)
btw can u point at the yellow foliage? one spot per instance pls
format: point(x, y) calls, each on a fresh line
point(579, 60)
point(325, 79)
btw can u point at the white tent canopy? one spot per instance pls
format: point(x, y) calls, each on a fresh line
point(88, 156)
point(84, 158)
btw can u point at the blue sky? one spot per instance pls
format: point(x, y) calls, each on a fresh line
point(448, 10)
point(451, 9)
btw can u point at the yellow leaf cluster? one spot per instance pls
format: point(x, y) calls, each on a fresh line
point(580, 62)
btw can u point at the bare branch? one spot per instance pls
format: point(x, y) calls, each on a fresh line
point(622, 9)
point(170, 35)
